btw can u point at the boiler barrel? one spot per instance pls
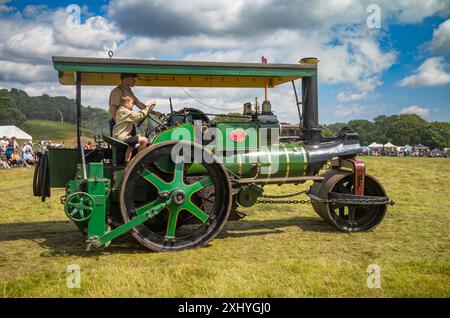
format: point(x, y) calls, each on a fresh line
point(281, 161)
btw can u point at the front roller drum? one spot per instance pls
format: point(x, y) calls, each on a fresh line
point(348, 217)
point(198, 187)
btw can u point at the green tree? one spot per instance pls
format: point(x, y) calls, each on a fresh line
point(9, 114)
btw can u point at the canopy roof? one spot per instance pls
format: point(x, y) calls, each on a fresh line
point(375, 145)
point(389, 145)
point(13, 131)
point(105, 71)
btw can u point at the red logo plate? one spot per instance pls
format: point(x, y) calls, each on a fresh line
point(238, 135)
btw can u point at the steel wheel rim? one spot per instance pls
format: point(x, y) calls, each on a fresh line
point(366, 217)
point(356, 217)
point(208, 224)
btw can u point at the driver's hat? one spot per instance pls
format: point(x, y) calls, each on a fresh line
point(125, 75)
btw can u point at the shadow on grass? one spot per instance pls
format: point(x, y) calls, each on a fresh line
point(246, 227)
point(62, 237)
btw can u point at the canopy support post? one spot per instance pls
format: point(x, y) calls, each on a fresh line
point(78, 102)
point(300, 120)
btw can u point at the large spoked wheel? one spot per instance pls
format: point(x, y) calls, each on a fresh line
point(346, 217)
point(199, 188)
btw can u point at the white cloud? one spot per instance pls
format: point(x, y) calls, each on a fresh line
point(24, 72)
point(241, 18)
point(356, 60)
point(423, 112)
point(29, 40)
point(441, 37)
point(334, 31)
point(433, 72)
point(350, 111)
point(96, 33)
point(350, 95)
point(413, 11)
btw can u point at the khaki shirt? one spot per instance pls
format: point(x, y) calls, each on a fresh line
point(125, 120)
point(114, 99)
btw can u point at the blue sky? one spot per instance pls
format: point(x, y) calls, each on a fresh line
point(401, 67)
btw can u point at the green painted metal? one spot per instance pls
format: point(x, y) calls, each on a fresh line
point(178, 133)
point(275, 161)
point(106, 72)
point(62, 166)
point(189, 68)
point(180, 70)
point(181, 132)
point(224, 133)
point(98, 190)
point(95, 170)
point(246, 159)
point(248, 195)
point(176, 184)
point(86, 199)
point(122, 229)
point(79, 206)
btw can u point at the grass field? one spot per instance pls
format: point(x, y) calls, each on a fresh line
point(276, 251)
point(54, 130)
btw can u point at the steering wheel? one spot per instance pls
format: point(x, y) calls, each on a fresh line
point(143, 119)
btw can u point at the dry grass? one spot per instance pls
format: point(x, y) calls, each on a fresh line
point(276, 251)
point(60, 133)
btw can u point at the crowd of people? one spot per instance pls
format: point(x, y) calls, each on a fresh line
point(435, 153)
point(14, 155)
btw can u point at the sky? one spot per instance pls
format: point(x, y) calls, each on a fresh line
point(376, 57)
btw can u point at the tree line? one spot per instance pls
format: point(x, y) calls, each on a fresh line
point(398, 129)
point(16, 106)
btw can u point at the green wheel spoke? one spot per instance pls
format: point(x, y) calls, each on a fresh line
point(196, 211)
point(178, 173)
point(172, 222)
point(81, 214)
point(197, 186)
point(74, 211)
point(144, 208)
point(154, 179)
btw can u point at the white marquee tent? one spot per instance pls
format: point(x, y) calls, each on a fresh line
point(389, 145)
point(374, 145)
point(13, 131)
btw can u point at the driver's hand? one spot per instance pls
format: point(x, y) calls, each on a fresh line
point(151, 104)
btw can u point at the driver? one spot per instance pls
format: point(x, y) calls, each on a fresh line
point(124, 130)
point(127, 80)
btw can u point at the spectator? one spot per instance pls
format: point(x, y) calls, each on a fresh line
point(27, 146)
point(14, 143)
point(88, 146)
point(17, 160)
point(28, 157)
point(9, 151)
point(3, 144)
point(4, 164)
